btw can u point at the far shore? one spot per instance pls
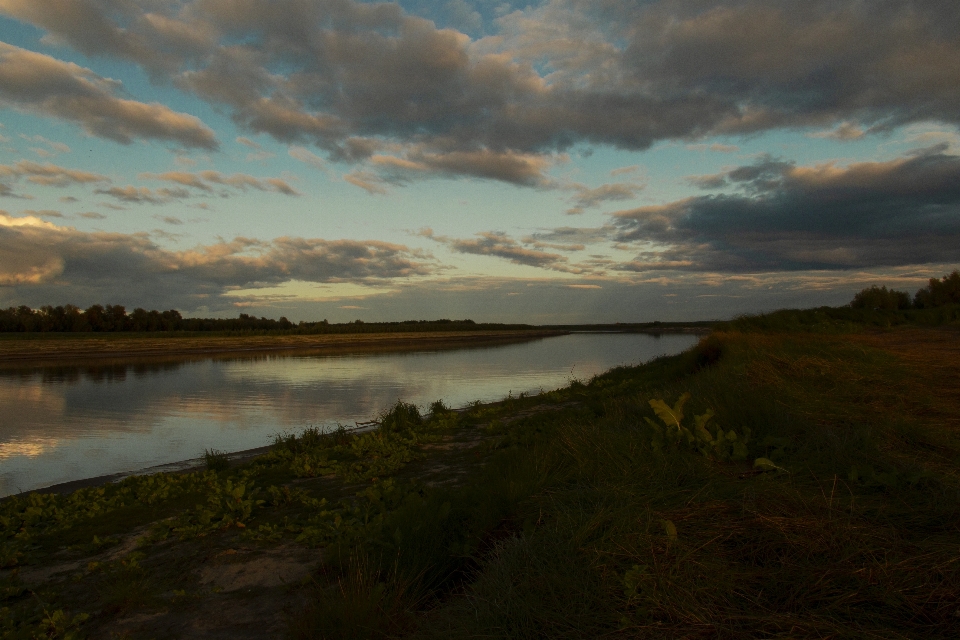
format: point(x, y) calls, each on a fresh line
point(117, 348)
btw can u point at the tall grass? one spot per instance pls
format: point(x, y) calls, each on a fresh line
point(582, 525)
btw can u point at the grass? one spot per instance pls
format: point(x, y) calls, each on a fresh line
point(215, 460)
point(609, 508)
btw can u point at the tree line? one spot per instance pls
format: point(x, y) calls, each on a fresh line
point(938, 293)
point(114, 318)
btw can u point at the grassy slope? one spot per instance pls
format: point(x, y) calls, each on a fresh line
point(564, 515)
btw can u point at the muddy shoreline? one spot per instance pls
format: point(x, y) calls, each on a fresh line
point(15, 354)
point(185, 466)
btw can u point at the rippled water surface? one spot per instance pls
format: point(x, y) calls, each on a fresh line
point(61, 424)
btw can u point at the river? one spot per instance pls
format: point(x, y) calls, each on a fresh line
point(60, 424)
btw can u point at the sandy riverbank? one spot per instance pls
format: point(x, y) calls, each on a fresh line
point(16, 353)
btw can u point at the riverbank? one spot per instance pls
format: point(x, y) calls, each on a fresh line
point(828, 505)
point(28, 350)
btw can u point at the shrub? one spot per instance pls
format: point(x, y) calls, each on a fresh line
point(216, 460)
point(939, 293)
point(881, 298)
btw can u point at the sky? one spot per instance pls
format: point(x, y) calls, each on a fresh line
point(563, 161)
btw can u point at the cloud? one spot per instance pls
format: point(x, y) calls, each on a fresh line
point(48, 175)
point(203, 180)
point(844, 131)
point(43, 213)
point(92, 215)
point(507, 166)
point(368, 181)
point(347, 76)
point(131, 194)
point(586, 197)
point(538, 244)
point(58, 261)
point(54, 148)
point(633, 168)
point(500, 245)
point(574, 235)
point(308, 157)
point(710, 181)
point(156, 39)
point(40, 84)
point(788, 217)
point(718, 148)
point(259, 154)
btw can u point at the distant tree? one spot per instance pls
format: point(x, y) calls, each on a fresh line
point(939, 292)
point(170, 320)
point(115, 318)
point(881, 298)
point(95, 317)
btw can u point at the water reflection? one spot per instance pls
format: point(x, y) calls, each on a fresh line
point(67, 423)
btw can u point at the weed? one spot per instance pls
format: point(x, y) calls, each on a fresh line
point(216, 460)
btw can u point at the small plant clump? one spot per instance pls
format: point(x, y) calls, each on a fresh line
point(711, 441)
point(216, 460)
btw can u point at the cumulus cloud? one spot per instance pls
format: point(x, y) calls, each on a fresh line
point(347, 76)
point(826, 216)
point(155, 38)
point(687, 69)
point(41, 84)
point(369, 83)
point(56, 259)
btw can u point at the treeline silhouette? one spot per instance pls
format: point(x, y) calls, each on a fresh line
point(114, 318)
point(938, 293)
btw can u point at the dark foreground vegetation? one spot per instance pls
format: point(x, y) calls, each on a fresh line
point(771, 482)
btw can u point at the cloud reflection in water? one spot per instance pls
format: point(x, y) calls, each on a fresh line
point(77, 422)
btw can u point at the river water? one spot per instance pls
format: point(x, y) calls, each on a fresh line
point(59, 424)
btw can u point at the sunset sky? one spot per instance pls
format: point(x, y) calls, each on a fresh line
point(560, 161)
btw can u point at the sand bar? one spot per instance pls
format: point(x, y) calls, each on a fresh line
point(61, 349)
